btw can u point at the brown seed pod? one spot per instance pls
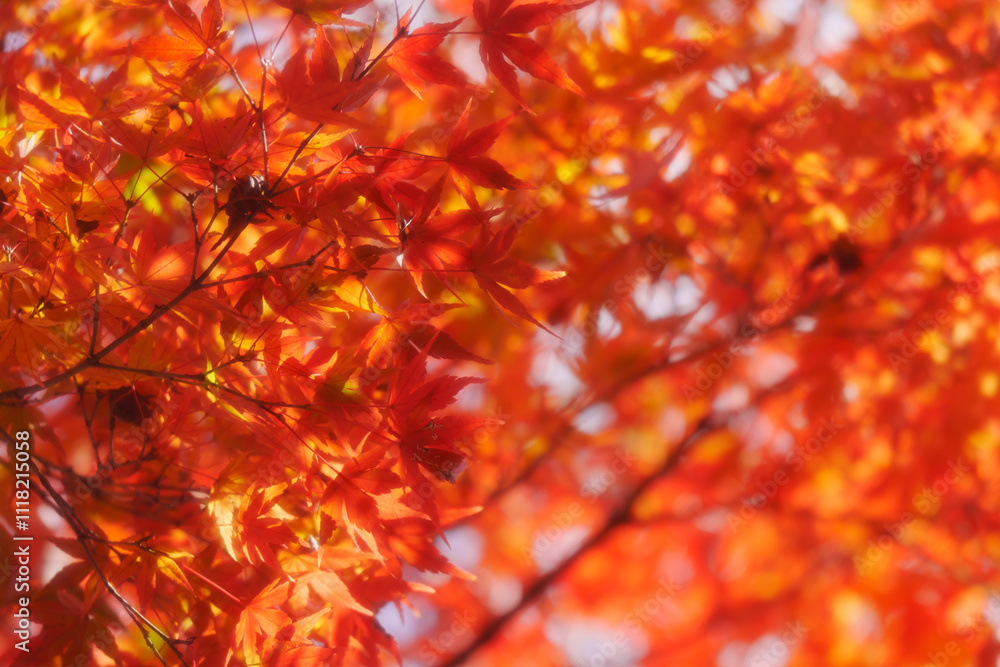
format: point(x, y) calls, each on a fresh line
point(130, 406)
point(247, 200)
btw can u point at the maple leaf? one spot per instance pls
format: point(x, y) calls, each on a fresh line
point(261, 620)
point(392, 170)
point(467, 164)
point(158, 267)
point(163, 48)
point(131, 139)
point(396, 339)
point(207, 30)
point(28, 340)
point(308, 92)
point(429, 240)
point(220, 139)
point(146, 568)
point(412, 58)
point(108, 99)
point(347, 500)
point(194, 37)
point(258, 529)
point(493, 271)
point(325, 11)
point(500, 43)
point(412, 400)
point(331, 589)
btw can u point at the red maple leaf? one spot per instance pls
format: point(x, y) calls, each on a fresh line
point(467, 164)
point(430, 240)
point(413, 60)
point(315, 93)
point(500, 43)
point(493, 271)
point(412, 400)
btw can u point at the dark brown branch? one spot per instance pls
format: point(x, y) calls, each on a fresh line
point(618, 518)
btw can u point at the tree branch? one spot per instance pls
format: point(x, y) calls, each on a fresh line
point(618, 518)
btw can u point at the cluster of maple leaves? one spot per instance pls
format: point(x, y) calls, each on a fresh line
point(308, 324)
point(259, 408)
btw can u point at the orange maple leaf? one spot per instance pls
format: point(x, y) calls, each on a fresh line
point(28, 340)
point(324, 11)
point(194, 37)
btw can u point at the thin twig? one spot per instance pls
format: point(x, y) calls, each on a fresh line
point(97, 317)
point(83, 537)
